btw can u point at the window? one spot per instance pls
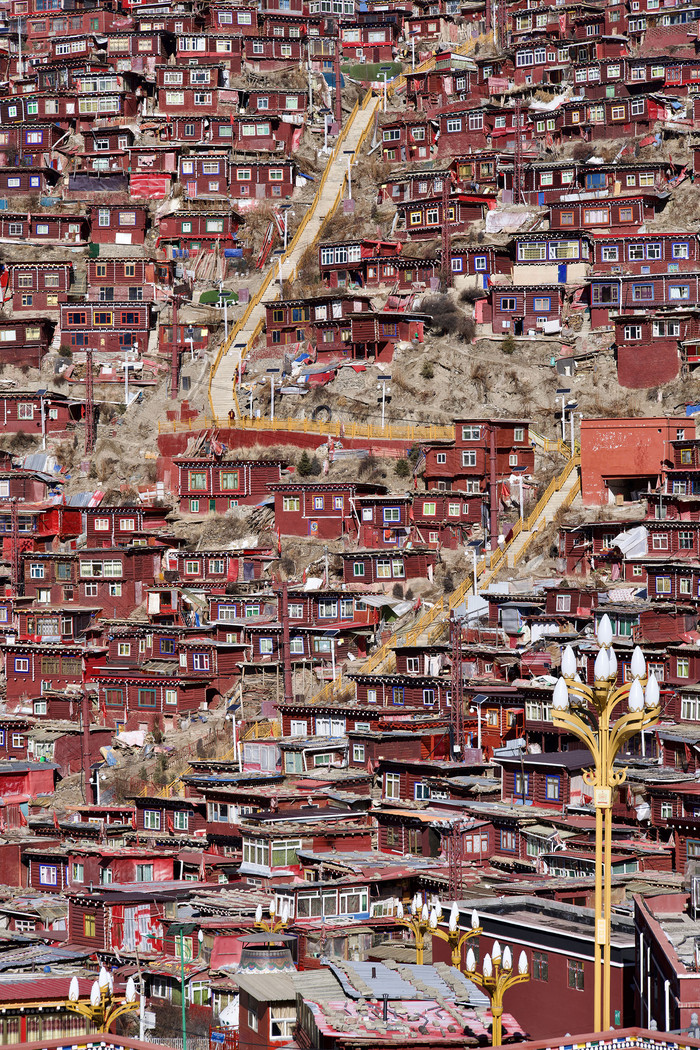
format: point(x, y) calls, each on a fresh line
point(78, 873)
point(596, 216)
point(282, 1021)
point(21, 664)
point(522, 784)
point(151, 819)
point(358, 752)
point(682, 667)
point(540, 966)
point(89, 925)
point(686, 541)
point(48, 874)
point(144, 873)
point(508, 841)
point(663, 584)
point(392, 785)
point(666, 810)
point(575, 973)
point(468, 459)
point(290, 503)
point(552, 788)
point(633, 332)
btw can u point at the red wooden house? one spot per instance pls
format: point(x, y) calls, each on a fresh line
point(119, 280)
point(39, 286)
point(258, 180)
point(617, 213)
point(25, 341)
point(21, 181)
point(645, 253)
point(318, 509)
point(106, 526)
point(423, 218)
point(465, 464)
point(407, 138)
point(363, 262)
point(106, 326)
point(383, 521)
point(177, 816)
point(31, 668)
point(132, 697)
point(388, 567)
point(264, 53)
point(192, 230)
point(551, 781)
point(446, 518)
point(524, 309)
point(649, 349)
point(215, 485)
point(629, 294)
point(33, 413)
point(118, 224)
point(208, 47)
point(40, 228)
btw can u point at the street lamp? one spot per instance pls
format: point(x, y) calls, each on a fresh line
point(418, 922)
point(586, 711)
point(495, 979)
point(453, 936)
point(104, 1007)
point(381, 385)
point(273, 924)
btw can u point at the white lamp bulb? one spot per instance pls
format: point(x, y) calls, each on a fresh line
point(604, 633)
point(636, 697)
point(638, 665)
point(568, 662)
point(601, 668)
point(560, 696)
point(652, 693)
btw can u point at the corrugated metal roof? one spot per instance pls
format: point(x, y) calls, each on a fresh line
point(268, 987)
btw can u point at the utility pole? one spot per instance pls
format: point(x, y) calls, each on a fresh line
point(500, 27)
point(493, 486)
point(15, 565)
point(446, 261)
point(455, 863)
point(286, 647)
point(85, 716)
point(89, 405)
point(175, 355)
point(338, 76)
point(457, 708)
point(518, 156)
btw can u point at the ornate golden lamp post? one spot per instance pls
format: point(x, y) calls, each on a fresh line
point(495, 979)
point(272, 925)
point(587, 712)
point(418, 922)
point(455, 937)
point(104, 1008)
